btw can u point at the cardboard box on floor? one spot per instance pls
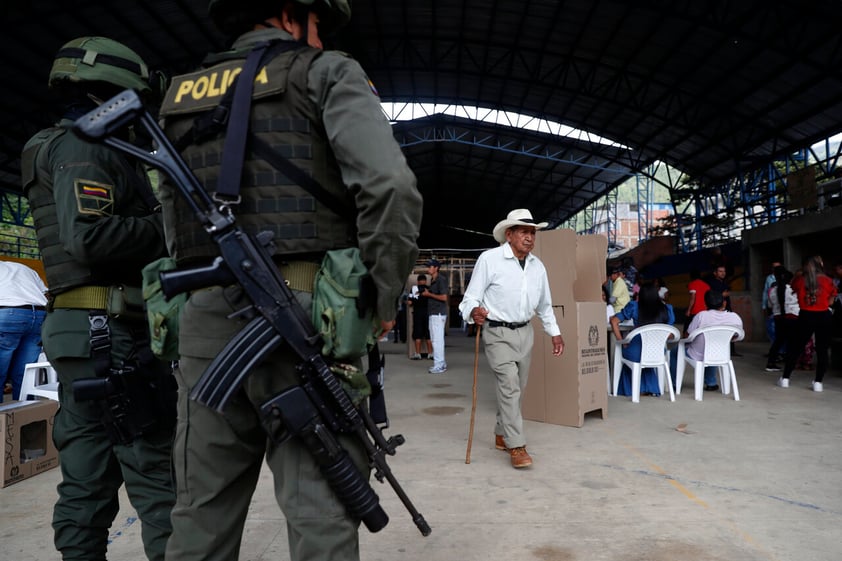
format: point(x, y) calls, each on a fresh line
point(28, 433)
point(561, 390)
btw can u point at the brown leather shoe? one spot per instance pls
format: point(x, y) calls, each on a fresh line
point(499, 443)
point(520, 459)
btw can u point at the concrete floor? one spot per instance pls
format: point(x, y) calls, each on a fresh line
point(754, 480)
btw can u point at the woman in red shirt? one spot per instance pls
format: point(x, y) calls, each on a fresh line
point(816, 292)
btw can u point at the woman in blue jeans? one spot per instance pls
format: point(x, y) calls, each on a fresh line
point(647, 309)
point(22, 311)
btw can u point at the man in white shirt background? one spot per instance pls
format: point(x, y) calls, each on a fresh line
point(436, 295)
point(23, 304)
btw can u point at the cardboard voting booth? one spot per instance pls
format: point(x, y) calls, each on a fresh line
point(561, 390)
point(28, 435)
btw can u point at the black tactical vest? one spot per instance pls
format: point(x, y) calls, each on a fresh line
point(63, 270)
point(284, 117)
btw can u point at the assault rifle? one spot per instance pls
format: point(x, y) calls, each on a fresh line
point(317, 408)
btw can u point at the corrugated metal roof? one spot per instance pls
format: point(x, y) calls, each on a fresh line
point(712, 88)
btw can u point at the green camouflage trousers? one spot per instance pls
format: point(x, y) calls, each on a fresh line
point(92, 467)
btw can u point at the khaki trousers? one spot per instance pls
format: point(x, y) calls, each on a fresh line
point(509, 352)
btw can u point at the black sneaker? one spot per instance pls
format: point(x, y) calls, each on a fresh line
point(773, 368)
point(712, 388)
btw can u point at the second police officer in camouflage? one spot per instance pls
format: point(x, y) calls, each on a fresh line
point(97, 227)
point(318, 109)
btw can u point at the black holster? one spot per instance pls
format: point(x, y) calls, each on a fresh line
point(134, 402)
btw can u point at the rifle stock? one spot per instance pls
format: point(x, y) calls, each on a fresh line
point(280, 319)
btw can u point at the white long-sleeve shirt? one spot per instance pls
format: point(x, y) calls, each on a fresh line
point(510, 293)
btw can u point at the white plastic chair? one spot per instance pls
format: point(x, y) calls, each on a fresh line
point(39, 380)
point(653, 354)
point(717, 353)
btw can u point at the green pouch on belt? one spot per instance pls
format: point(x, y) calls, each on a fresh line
point(343, 305)
point(162, 314)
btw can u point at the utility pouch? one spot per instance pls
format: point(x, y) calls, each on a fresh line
point(124, 302)
point(162, 314)
point(343, 308)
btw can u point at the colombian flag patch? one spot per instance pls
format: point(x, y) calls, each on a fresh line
point(373, 89)
point(93, 197)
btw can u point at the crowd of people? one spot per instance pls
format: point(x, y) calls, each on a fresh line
point(802, 306)
point(799, 308)
point(799, 336)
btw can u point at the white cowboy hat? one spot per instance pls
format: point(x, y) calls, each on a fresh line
point(518, 217)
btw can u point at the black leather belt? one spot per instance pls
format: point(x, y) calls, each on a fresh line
point(26, 307)
point(495, 323)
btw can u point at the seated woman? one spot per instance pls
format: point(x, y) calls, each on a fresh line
point(647, 309)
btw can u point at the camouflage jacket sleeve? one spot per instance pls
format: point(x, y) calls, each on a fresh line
point(373, 169)
point(102, 218)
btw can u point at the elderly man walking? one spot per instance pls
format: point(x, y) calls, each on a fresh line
point(508, 286)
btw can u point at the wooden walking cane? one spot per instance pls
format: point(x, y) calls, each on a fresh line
point(474, 399)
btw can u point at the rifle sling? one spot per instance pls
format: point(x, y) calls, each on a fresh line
point(234, 148)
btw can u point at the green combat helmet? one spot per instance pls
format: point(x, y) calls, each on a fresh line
point(237, 16)
point(99, 59)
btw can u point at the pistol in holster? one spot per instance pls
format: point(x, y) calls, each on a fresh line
point(133, 403)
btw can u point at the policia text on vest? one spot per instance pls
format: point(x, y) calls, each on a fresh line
point(200, 86)
point(317, 408)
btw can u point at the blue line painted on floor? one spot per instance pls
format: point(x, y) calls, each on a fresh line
point(723, 488)
point(123, 527)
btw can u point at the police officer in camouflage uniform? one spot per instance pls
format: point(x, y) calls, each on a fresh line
point(320, 110)
point(97, 226)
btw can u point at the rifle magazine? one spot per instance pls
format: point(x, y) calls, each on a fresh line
point(234, 363)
